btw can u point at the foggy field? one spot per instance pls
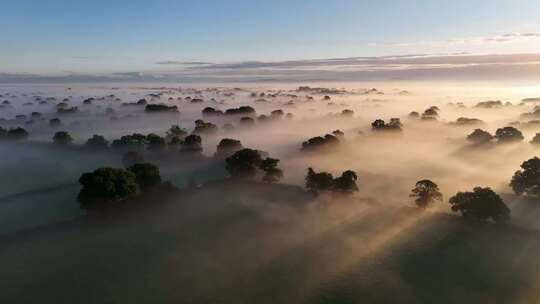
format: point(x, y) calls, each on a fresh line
point(216, 235)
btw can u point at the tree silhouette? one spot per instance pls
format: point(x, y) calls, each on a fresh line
point(527, 180)
point(425, 193)
point(243, 163)
point(248, 163)
point(479, 136)
point(62, 138)
point(508, 134)
point(17, 134)
point(192, 144)
point(272, 172)
point(480, 204)
point(107, 186)
point(319, 182)
point(227, 146)
point(97, 142)
point(146, 175)
point(346, 183)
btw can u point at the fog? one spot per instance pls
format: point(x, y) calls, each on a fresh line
point(248, 242)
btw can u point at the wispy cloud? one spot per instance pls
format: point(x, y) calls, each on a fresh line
point(175, 62)
point(478, 40)
point(412, 66)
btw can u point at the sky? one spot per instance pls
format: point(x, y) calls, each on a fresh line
point(78, 37)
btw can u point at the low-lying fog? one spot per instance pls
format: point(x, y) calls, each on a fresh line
point(39, 183)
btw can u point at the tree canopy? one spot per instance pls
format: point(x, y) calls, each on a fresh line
point(480, 204)
point(426, 193)
point(248, 163)
point(107, 186)
point(146, 175)
point(527, 180)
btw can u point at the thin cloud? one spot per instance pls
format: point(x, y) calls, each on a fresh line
point(500, 38)
point(175, 62)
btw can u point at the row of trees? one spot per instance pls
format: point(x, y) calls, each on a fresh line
point(503, 135)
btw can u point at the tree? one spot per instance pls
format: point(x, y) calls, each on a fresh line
point(480, 204)
point(97, 142)
point(243, 163)
point(248, 163)
point(192, 144)
point(227, 146)
point(319, 142)
point(17, 134)
point(62, 138)
point(346, 183)
point(272, 172)
point(319, 182)
point(508, 134)
point(425, 193)
point(527, 181)
point(107, 186)
point(202, 127)
point(146, 175)
point(536, 139)
point(479, 136)
point(380, 125)
point(414, 115)
point(155, 142)
point(135, 141)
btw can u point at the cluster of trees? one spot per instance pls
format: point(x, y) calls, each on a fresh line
point(160, 108)
point(319, 142)
point(243, 110)
point(249, 164)
point(381, 125)
point(111, 186)
point(318, 182)
point(503, 135)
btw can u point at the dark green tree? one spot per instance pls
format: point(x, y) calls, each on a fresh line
point(192, 144)
point(480, 204)
point(479, 136)
point(106, 186)
point(319, 182)
point(62, 138)
point(346, 183)
point(272, 172)
point(243, 163)
point(17, 134)
point(527, 180)
point(508, 135)
point(227, 146)
point(426, 193)
point(97, 142)
point(146, 175)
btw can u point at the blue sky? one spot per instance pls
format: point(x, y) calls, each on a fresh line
point(57, 37)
